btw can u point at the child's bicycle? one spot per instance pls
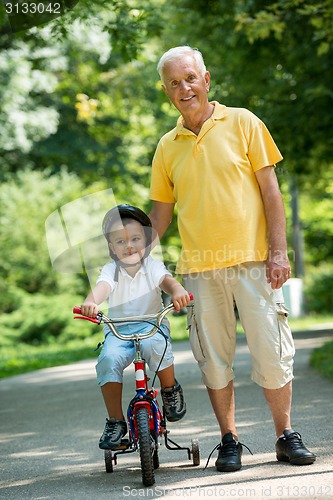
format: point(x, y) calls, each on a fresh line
point(145, 420)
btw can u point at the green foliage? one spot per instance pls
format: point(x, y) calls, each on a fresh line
point(25, 119)
point(322, 360)
point(318, 288)
point(317, 216)
point(297, 62)
point(52, 119)
point(26, 200)
point(42, 333)
point(43, 319)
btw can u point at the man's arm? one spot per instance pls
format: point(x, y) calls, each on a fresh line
point(277, 265)
point(161, 216)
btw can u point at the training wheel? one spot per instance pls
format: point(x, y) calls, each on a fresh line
point(108, 460)
point(195, 452)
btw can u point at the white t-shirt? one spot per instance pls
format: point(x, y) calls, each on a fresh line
point(138, 295)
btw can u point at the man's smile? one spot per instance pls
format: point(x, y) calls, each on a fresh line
point(187, 98)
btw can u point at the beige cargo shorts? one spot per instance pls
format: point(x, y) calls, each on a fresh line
point(263, 315)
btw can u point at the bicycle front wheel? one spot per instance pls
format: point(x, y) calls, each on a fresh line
point(146, 447)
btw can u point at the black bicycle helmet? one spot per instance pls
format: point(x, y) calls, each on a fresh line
point(121, 212)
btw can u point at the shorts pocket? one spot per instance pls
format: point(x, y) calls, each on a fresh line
point(195, 343)
point(287, 348)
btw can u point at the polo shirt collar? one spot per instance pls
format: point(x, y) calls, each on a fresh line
point(218, 114)
point(142, 270)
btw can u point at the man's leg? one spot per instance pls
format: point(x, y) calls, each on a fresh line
point(279, 402)
point(289, 445)
point(213, 340)
point(223, 403)
point(230, 451)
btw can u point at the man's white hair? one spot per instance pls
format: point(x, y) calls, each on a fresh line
point(177, 53)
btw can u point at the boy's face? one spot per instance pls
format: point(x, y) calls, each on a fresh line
point(128, 242)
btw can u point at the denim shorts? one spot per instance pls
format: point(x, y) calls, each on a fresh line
point(117, 354)
point(263, 315)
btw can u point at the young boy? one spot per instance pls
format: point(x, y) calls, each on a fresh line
point(133, 282)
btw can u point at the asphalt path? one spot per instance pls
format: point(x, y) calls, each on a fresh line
point(51, 420)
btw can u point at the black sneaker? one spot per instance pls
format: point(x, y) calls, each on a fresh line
point(290, 448)
point(230, 454)
point(173, 402)
point(114, 431)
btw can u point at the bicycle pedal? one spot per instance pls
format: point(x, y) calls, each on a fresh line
point(123, 445)
point(125, 442)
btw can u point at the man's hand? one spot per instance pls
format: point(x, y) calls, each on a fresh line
point(277, 273)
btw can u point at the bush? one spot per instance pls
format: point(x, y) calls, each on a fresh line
point(26, 200)
point(44, 320)
point(318, 289)
point(322, 360)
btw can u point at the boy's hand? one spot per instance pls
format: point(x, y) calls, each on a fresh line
point(89, 309)
point(180, 298)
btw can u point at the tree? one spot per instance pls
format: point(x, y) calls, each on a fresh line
point(64, 86)
point(300, 86)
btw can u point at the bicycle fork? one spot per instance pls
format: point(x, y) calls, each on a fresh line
point(144, 398)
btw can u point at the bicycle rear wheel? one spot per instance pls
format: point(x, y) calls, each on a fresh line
point(146, 447)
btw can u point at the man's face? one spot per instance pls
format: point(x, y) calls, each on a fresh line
point(185, 85)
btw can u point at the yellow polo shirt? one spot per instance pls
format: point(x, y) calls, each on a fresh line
point(211, 177)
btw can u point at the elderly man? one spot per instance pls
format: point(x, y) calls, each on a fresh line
point(218, 164)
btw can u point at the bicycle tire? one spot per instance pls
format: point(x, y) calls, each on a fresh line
point(108, 460)
point(146, 447)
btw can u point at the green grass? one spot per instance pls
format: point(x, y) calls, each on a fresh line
point(17, 358)
point(25, 358)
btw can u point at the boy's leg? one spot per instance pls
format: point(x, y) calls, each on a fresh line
point(115, 426)
point(112, 395)
point(153, 350)
point(167, 377)
point(172, 395)
point(113, 359)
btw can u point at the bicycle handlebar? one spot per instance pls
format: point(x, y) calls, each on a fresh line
point(102, 318)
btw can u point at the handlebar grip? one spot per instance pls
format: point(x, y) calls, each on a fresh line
point(92, 320)
point(191, 296)
point(78, 310)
